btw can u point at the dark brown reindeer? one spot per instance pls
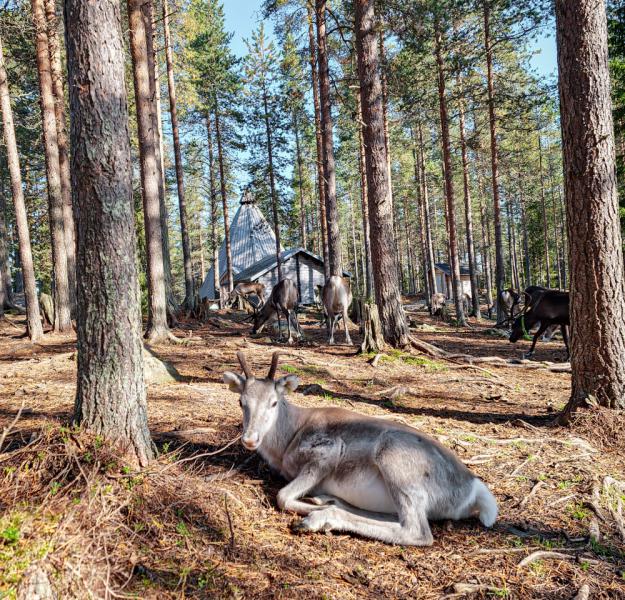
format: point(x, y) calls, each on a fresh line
point(350, 472)
point(282, 301)
point(543, 308)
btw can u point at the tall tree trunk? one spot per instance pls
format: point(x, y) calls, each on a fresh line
point(500, 270)
point(449, 184)
point(312, 52)
point(354, 251)
point(189, 299)
point(596, 246)
point(526, 245)
point(213, 193)
point(35, 330)
point(556, 230)
point(6, 287)
point(383, 81)
point(329, 169)
point(272, 181)
point(62, 306)
point(383, 252)
point(140, 22)
point(224, 199)
point(172, 304)
point(58, 87)
point(425, 258)
point(110, 395)
point(486, 254)
point(543, 205)
point(426, 215)
point(366, 229)
point(300, 179)
point(468, 219)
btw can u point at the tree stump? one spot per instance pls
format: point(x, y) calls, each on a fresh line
point(372, 341)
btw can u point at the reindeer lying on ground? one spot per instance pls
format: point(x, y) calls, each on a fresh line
point(365, 475)
point(547, 309)
point(245, 289)
point(283, 300)
point(336, 297)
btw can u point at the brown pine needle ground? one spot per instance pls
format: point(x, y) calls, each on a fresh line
point(209, 527)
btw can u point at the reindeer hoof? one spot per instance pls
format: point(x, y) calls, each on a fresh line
point(318, 520)
point(528, 355)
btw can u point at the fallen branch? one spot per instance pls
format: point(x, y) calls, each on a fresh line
point(533, 491)
point(544, 554)
point(10, 426)
point(584, 593)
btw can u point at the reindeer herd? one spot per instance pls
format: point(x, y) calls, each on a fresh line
point(359, 474)
point(536, 310)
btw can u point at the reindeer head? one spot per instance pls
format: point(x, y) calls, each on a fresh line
point(260, 399)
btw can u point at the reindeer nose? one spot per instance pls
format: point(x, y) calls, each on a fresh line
point(250, 441)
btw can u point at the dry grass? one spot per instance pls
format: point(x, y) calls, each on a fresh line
point(209, 527)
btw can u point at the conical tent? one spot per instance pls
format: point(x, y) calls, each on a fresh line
point(251, 240)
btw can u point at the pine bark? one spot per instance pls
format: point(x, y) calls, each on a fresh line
point(383, 251)
point(468, 218)
point(312, 51)
point(272, 180)
point(213, 194)
point(329, 168)
point(189, 299)
point(62, 306)
point(543, 205)
point(300, 180)
point(366, 229)
point(449, 184)
point(6, 288)
point(421, 218)
point(500, 270)
point(596, 247)
point(224, 199)
point(58, 87)
point(426, 215)
point(172, 304)
point(140, 22)
point(110, 396)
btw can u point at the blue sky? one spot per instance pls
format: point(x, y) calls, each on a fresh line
point(242, 17)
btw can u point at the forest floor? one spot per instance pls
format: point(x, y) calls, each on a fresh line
point(204, 527)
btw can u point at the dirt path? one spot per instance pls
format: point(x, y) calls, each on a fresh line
point(226, 538)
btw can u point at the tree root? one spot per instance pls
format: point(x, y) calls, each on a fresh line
point(497, 361)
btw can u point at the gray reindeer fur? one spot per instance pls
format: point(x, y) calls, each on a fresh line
point(354, 473)
point(336, 297)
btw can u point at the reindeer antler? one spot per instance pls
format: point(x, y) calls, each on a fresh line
point(244, 365)
point(274, 365)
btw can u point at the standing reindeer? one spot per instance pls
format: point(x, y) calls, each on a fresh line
point(283, 300)
point(245, 289)
point(336, 297)
point(365, 475)
point(546, 309)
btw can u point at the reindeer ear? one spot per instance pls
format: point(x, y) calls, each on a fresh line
point(290, 382)
point(235, 382)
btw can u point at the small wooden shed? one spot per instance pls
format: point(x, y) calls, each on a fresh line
point(298, 264)
point(442, 272)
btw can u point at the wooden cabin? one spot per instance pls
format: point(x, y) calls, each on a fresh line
point(442, 272)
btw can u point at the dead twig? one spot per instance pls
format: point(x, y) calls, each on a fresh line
point(533, 491)
point(10, 426)
point(546, 554)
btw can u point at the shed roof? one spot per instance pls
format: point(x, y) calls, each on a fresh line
point(445, 268)
point(268, 263)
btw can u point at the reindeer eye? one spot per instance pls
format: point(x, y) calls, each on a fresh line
point(240, 402)
point(274, 404)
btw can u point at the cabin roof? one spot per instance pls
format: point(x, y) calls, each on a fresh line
point(445, 268)
point(268, 263)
